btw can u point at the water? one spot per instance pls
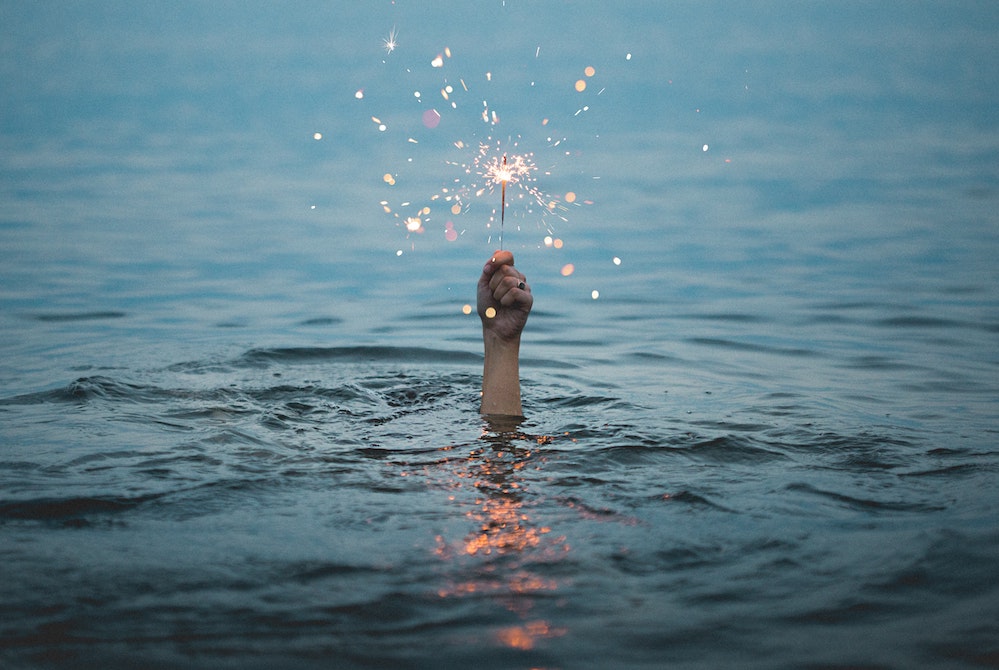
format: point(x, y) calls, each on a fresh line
point(239, 427)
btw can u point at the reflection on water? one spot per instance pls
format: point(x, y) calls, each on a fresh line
point(501, 556)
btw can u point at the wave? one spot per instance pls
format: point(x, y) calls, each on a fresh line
point(75, 511)
point(355, 354)
point(867, 505)
point(83, 389)
point(751, 347)
point(55, 317)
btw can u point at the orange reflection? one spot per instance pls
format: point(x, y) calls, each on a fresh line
point(524, 637)
point(504, 553)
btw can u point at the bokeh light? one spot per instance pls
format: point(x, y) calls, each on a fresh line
point(431, 118)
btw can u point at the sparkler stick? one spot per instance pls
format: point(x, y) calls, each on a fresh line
point(503, 200)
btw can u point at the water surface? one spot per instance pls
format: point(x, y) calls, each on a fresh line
point(239, 403)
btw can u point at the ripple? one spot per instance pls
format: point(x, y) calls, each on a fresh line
point(866, 505)
point(729, 449)
point(731, 317)
point(78, 316)
point(690, 498)
point(73, 511)
point(358, 354)
point(750, 347)
point(919, 322)
point(321, 321)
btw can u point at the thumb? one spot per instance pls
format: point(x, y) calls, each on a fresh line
point(487, 273)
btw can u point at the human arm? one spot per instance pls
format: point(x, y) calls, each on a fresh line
point(504, 303)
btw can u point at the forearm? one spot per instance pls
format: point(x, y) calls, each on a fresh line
point(501, 376)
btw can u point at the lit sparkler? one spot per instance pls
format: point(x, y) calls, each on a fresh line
point(491, 168)
point(495, 163)
point(512, 169)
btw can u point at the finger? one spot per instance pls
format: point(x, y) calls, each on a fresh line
point(501, 257)
point(504, 273)
point(485, 278)
point(511, 289)
point(517, 296)
point(500, 290)
point(488, 273)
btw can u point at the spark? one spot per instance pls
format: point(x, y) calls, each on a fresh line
point(390, 42)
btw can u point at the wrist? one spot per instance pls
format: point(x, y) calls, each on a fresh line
point(496, 342)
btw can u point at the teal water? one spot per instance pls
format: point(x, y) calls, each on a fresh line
point(238, 399)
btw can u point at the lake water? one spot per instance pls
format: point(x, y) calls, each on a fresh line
point(239, 399)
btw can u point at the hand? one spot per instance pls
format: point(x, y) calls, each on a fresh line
point(504, 298)
point(504, 301)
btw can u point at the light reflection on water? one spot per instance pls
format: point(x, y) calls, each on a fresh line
point(506, 545)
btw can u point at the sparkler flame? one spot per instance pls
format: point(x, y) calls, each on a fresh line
point(494, 167)
point(502, 172)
